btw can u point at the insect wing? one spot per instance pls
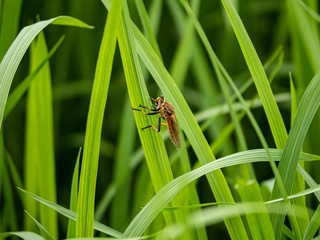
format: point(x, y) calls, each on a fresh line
point(173, 130)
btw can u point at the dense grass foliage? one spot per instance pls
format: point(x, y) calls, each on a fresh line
point(243, 79)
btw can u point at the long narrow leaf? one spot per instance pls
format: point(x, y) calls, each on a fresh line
point(161, 199)
point(89, 169)
point(307, 109)
point(71, 214)
point(11, 60)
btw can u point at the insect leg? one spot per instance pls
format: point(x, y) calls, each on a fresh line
point(149, 127)
point(153, 113)
point(149, 108)
point(159, 126)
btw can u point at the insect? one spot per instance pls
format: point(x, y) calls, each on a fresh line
point(167, 113)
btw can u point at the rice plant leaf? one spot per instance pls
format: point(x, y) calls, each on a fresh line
point(147, 26)
point(74, 197)
point(313, 225)
point(309, 180)
point(10, 16)
point(189, 125)
point(12, 58)
point(293, 100)
point(259, 76)
point(213, 215)
point(259, 223)
point(154, 149)
point(287, 168)
point(89, 167)
point(39, 157)
point(71, 214)
point(43, 230)
point(23, 235)
point(145, 217)
point(17, 94)
point(122, 171)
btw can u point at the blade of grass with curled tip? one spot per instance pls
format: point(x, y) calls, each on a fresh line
point(17, 94)
point(89, 167)
point(12, 58)
point(145, 217)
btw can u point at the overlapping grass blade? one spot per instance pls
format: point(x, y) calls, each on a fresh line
point(17, 94)
point(188, 124)
point(155, 153)
point(258, 75)
point(12, 58)
point(313, 225)
point(306, 110)
point(39, 156)
point(71, 214)
point(147, 26)
point(88, 177)
point(23, 235)
point(164, 196)
point(42, 229)
point(74, 197)
point(259, 223)
point(10, 16)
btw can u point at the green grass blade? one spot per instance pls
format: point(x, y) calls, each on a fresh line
point(154, 149)
point(147, 26)
point(88, 177)
point(155, 11)
point(259, 76)
point(122, 171)
point(163, 197)
point(182, 58)
point(293, 100)
point(10, 17)
point(309, 180)
point(71, 214)
point(260, 224)
point(42, 229)
point(23, 235)
point(39, 136)
point(12, 58)
point(74, 197)
point(17, 94)
point(289, 161)
point(313, 225)
point(188, 124)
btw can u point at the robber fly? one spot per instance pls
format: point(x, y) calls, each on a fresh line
point(167, 113)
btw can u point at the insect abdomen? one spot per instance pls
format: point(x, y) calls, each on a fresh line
point(173, 130)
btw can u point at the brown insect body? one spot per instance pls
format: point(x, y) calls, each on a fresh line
point(167, 113)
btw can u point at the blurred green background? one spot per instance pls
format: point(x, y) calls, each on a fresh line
point(73, 68)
